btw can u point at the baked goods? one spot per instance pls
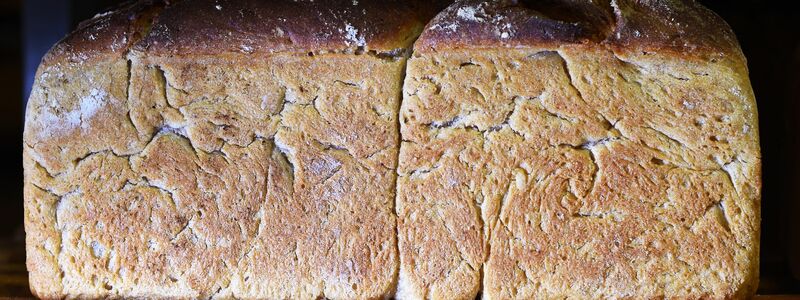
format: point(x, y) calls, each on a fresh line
point(261, 149)
point(578, 149)
point(78, 106)
point(228, 149)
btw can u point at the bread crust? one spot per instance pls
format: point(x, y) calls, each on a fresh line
point(613, 154)
point(681, 27)
point(574, 171)
point(261, 125)
point(222, 180)
point(252, 26)
point(106, 35)
point(509, 23)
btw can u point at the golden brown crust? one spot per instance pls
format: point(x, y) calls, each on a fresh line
point(252, 180)
point(581, 166)
point(252, 26)
point(225, 175)
point(219, 160)
point(577, 172)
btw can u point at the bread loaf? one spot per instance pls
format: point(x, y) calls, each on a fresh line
point(235, 149)
point(575, 149)
point(292, 149)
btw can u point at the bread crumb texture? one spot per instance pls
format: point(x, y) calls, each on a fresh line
point(590, 162)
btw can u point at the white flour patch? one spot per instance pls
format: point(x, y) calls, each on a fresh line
point(291, 96)
point(452, 27)
point(53, 122)
point(246, 49)
point(264, 102)
point(352, 36)
point(324, 166)
point(91, 103)
point(736, 91)
point(470, 13)
point(100, 15)
point(452, 180)
point(337, 188)
point(177, 130)
point(506, 30)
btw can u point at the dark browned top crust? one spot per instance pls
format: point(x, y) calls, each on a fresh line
point(679, 25)
point(676, 25)
point(252, 26)
point(475, 23)
point(110, 33)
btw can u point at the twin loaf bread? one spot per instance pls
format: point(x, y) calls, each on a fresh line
point(292, 149)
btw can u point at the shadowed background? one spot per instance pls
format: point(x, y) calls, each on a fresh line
point(767, 31)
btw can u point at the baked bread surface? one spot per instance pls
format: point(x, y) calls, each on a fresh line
point(288, 149)
point(578, 149)
point(219, 149)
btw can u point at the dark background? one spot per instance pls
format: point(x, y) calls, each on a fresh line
point(769, 34)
